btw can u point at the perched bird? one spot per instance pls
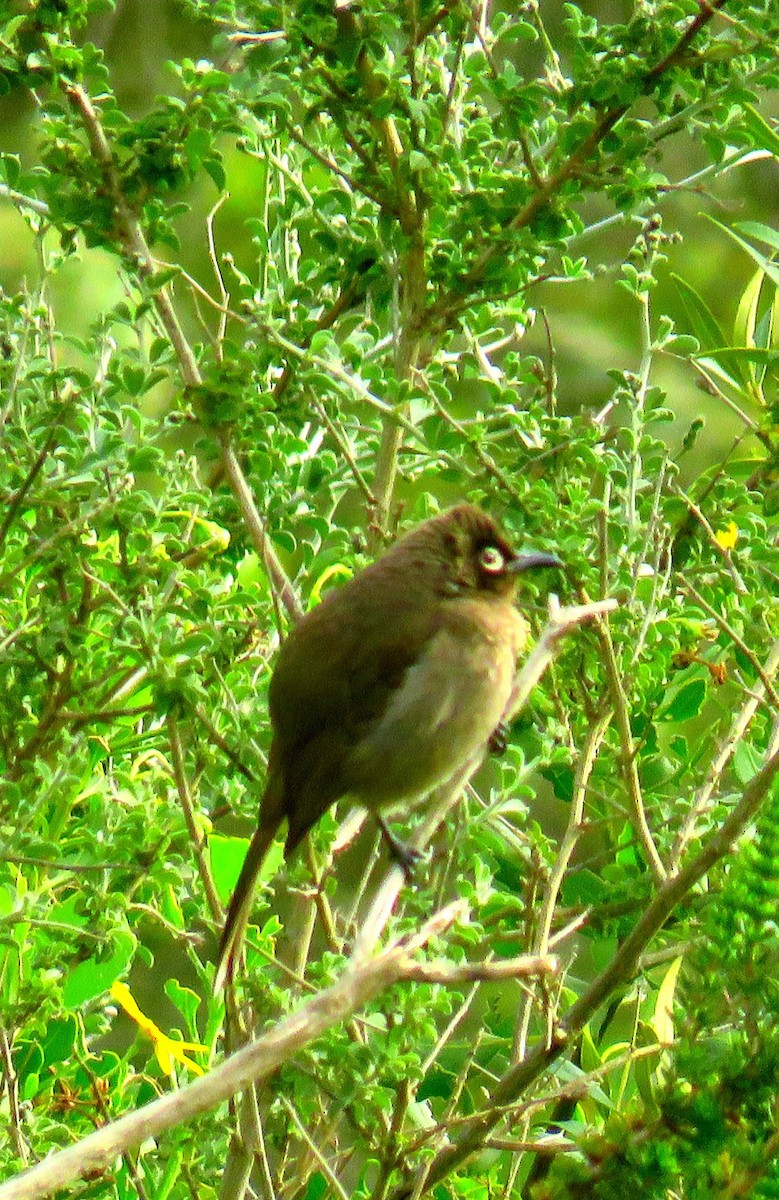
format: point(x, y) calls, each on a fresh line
point(389, 686)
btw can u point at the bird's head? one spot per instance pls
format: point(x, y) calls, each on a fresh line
point(473, 554)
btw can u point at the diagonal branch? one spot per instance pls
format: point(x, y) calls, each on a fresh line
point(620, 970)
point(133, 244)
point(357, 986)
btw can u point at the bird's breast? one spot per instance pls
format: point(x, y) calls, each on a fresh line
point(445, 707)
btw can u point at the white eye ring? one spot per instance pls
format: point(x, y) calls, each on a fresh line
point(491, 560)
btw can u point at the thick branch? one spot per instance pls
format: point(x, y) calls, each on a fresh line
point(358, 985)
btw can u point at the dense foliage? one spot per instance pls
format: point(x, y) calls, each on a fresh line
point(421, 177)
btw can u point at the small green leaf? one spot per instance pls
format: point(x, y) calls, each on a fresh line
point(763, 135)
point(687, 701)
point(765, 264)
point(92, 978)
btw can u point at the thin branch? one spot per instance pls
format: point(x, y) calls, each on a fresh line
point(188, 808)
point(341, 441)
point(278, 577)
point(306, 1137)
point(738, 728)
point(628, 761)
point(384, 202)
point(737, 641)
point(711, 537)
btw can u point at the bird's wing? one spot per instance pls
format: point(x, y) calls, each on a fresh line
point(333, 681)
point(344, 661)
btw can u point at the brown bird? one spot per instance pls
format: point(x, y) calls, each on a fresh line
point(389, 686)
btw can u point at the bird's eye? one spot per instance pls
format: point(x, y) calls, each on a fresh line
point(491, 560)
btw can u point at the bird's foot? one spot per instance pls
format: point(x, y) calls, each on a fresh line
point(404, 855)
point(498, 739)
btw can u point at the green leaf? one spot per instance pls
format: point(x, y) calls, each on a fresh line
point(731, 355)
point(93, 978)
point(185, 1000)
point(747, 761)
point(686, 702)
point(226, 856)
point(765, 264)
point(763, 135)
point(763, 233)
point(746, 314)
point(703, 322)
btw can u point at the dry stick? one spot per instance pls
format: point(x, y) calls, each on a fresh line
point(360, 983)
point(620, 970)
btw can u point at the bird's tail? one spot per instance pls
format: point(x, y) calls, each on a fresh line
point(241, 904)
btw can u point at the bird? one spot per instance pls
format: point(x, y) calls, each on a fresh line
point(388, 687)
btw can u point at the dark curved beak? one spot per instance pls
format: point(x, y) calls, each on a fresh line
point(534, 558)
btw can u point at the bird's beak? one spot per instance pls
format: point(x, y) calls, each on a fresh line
point(534, 558)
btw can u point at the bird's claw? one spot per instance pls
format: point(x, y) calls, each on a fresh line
point(498, 739)
point(400, 852)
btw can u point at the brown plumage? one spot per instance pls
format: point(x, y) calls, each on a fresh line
point(389, 686)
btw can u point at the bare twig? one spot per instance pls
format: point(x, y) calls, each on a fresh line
point(452, 974)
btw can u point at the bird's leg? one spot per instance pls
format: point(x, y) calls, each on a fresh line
point(498, 739)
point(405, 856)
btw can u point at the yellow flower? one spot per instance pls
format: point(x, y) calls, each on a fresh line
point(166, 1050)
point(727, 538)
